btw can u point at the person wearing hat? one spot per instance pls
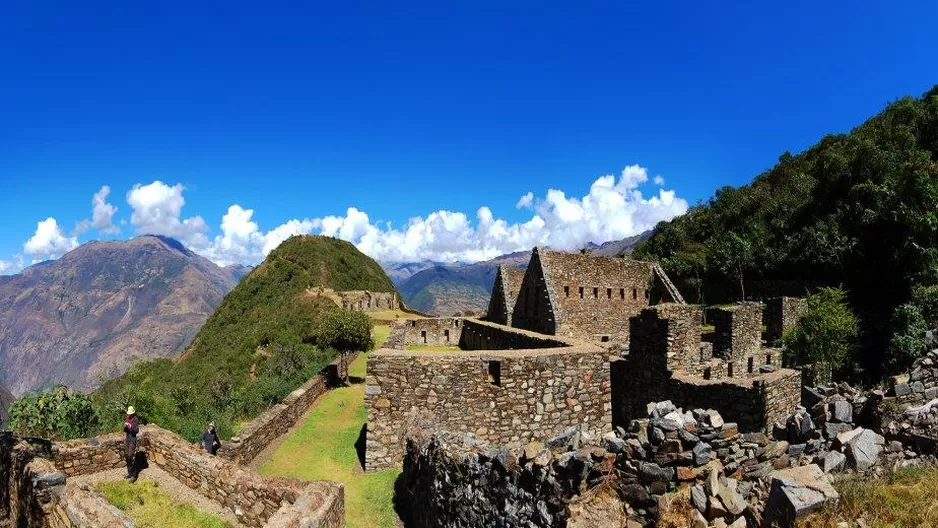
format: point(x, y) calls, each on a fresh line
point(210, 440)
point(131, 428)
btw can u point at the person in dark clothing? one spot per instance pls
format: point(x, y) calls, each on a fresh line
point(131, 428)
point(210, 441)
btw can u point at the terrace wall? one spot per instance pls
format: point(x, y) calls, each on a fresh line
point(276, 421)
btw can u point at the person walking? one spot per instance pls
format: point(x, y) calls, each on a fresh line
point(210, 441)
point(131, 428)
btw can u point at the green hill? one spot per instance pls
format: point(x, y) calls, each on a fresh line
point(858, 210)
point(266, 338)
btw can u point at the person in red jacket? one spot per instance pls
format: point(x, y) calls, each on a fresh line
point(131, 428)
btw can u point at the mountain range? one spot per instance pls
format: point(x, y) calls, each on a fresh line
point(85, 317)
point(447, 289)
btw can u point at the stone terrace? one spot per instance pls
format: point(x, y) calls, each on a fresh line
point(41, 494)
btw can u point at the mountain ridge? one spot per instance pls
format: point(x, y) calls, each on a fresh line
point(85, 317)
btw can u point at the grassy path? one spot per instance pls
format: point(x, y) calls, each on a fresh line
point(323, 448)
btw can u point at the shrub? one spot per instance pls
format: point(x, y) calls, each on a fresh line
point(58, 414)
point(345, 331)
point(826, 332)
point(926, 299)
point(908, 338)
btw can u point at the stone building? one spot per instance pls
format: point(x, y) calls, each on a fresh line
point(504, 293)
point(587, 297)
point(734, 375)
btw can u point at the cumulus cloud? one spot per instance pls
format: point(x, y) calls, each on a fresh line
point(156, 209)
point(49, 242)
point(102, 214)
point(659, 181)
point(614, 208)
point(6, 267)
point(525, 201)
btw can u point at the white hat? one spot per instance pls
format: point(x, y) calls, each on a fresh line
point(131, 410)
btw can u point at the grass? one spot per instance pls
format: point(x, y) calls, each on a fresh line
point(149, 506)
point(905, 499)
point(433, 348)
point(391, 315)
point(323, 448)
point(380, 334)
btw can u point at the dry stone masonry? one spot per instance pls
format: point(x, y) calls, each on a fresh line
point(666, 359)
point(586, 297)
point(37, 491)
point(503, 396)
point(277, 420)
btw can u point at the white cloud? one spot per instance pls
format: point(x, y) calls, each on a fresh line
point(6, 267)
point(102, 215)
point(659, 181)
point(613, 209)
point(525, 201)
point(49, 242)
point(242, 242)
point(156, 209)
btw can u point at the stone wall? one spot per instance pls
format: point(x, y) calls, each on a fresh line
point(368, 301)
point(441, 331)
point(508, 281)
point(42, 495)
point(277, 420)
point(253, 499)
point(509, 397)
point(667, 360)
point(737, 330)
point(481, 335)
point(781, 313)
point(34, 492)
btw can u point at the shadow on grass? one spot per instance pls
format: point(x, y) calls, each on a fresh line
point(355, 380)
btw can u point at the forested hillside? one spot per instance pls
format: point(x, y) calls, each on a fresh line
point(858, 210)
point(266, 338)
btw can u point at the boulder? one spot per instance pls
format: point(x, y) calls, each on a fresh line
point(613, 443)
point(799, 427)
point(831, 461)
point(564, 439)
point(731, 499)
point(796, 492)
point(713, 419)
point(864, 449)
point(698, 497)
point(831, 430)
point(702, 453)
point(841, 411)
point(902, 389)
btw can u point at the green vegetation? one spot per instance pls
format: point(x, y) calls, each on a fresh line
point(904, 499)
point(58, 414)
point(433, 348)
point(323, 448)
point(856, 210)
point(380, 334)
point(151, 507)
point(267, 337)
point(906, 344)
point(825, 333)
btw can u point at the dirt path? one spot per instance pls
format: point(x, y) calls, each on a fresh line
point(178, 491)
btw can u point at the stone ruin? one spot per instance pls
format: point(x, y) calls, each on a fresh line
point(43, 483)
point(359, 300)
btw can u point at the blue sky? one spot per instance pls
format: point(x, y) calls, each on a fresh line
point(431, 121)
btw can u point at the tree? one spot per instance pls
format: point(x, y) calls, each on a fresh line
point(732, 254)
point(908, 338)
point(826, 332)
